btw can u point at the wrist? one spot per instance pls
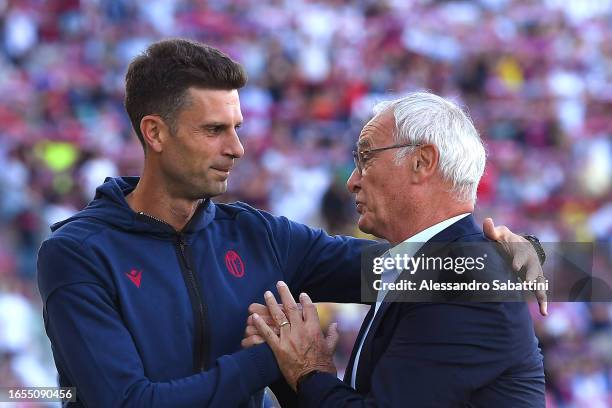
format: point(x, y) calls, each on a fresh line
point(303, 378)
point(328, 368)
point(537, 247)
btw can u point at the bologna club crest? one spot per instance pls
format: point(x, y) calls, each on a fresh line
point(234, 264)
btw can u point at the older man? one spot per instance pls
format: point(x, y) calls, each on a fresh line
point(418, 165)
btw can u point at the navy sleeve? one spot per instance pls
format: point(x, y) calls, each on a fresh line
point(95, 350)
point(326, 267)
point(431, 362)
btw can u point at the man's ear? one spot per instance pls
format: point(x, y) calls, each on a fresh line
point(425, 161)
point(154, 132)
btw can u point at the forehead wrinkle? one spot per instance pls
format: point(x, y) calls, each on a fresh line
point(370, 131)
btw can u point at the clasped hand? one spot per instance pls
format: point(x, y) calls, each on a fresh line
point(293, 333)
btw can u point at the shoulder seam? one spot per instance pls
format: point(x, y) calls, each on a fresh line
point(237, 206)
point(100, 228)
point(72, 284)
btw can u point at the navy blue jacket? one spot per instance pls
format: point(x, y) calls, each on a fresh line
point(142, 316)
point(442, 354)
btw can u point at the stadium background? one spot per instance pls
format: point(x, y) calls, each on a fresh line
point(536, 77)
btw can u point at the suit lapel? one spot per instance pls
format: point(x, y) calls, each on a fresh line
point(365, 358)
point(367, 259)
point(463, 227)
point(349, 368)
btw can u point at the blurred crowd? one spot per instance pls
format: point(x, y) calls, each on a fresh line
point(536, 77)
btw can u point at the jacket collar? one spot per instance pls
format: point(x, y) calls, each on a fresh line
point(109, 206)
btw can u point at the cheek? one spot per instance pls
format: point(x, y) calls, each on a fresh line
point(198, 146)
point(375, 190)
point(382, 195)
point(197, 157)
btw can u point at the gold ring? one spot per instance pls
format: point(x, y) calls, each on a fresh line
point(283, 323)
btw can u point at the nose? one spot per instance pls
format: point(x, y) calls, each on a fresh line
point(233, 146)
point(354, 182)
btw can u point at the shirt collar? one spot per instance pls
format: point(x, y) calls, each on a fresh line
point(412, 244)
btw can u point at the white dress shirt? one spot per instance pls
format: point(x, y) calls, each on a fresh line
point(409, 247)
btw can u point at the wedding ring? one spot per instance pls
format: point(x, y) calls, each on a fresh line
point(283, 323)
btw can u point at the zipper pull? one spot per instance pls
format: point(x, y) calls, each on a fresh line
point(184, 255)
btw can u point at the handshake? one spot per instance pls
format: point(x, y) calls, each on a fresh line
point(293, 332)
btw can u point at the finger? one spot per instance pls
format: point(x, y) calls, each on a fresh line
point(309, 309)
point(523, 262)
point(519, 264)
point(535, 273)
point(531, 263)
point(275, 310)
point(489, 229)
point(254, 330)
point(266, 332)
point(505, 235)
point(543, 306)
point(258, 308)
point(293, 312)
point(250, 331)
point(541, 296)
point(332, 337)
point(267, 318)
point(251, 341)
point(542, 301)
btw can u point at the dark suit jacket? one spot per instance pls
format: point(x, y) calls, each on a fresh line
point(446, 353)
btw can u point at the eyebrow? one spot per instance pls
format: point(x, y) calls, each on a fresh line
point(221, 125)
point(363, 143)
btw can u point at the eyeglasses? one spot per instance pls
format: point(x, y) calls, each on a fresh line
point(362, 156)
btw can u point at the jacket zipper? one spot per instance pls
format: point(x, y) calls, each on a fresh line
point(197, 303)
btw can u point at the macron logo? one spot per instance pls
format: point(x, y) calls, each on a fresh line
point(135, 276)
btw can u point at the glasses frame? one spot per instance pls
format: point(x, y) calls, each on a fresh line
point(359, 163)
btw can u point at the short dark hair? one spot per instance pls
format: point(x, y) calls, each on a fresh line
point(157, 80)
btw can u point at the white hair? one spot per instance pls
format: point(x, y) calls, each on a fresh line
point(425, 118)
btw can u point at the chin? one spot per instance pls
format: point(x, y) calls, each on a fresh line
point(217, 188)
point(364, 225)
point(369, 227)
point(208, 191)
